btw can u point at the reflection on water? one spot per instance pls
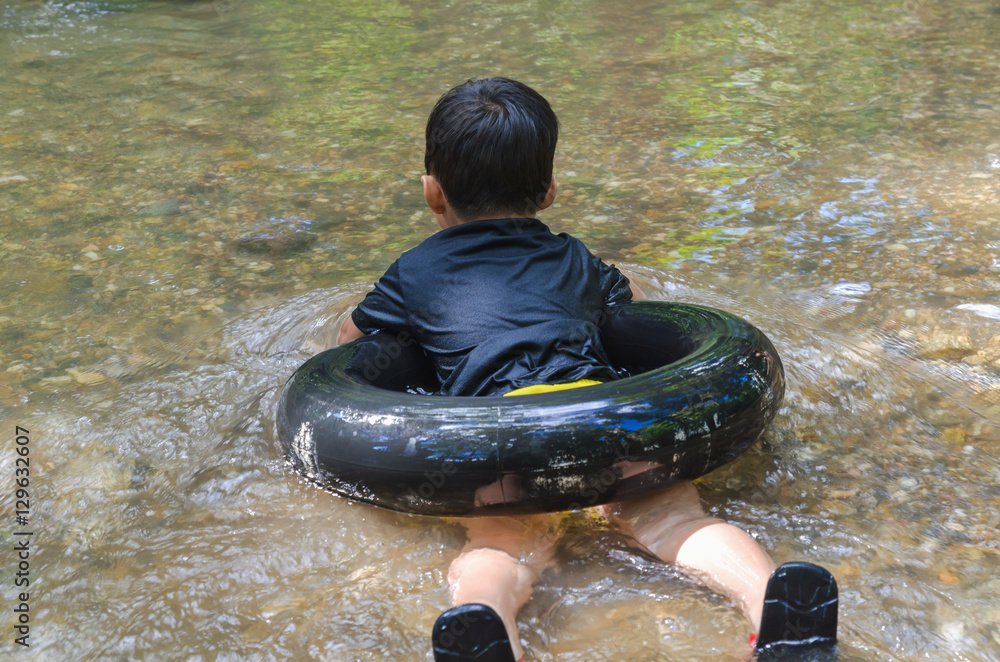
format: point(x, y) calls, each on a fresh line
point(194, 194)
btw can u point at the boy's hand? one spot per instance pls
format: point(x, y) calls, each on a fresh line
point(348, 331)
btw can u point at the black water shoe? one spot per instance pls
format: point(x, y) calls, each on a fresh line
point(800, 610)
point(471, 633)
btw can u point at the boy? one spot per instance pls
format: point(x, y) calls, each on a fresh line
point(503, 306)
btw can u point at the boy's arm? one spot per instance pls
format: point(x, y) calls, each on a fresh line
point(382, 308)
point(349, 330)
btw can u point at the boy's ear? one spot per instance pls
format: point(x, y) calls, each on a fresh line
point(433, 194)
point(550, 195)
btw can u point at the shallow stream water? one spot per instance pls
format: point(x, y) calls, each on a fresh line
point(193, 194)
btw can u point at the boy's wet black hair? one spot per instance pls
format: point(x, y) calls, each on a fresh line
point(490, 144)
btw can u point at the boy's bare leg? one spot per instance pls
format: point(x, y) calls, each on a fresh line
point(673, 526)
point(500, 563)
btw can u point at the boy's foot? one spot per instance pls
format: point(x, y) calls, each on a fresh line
point(800, 609)
point(471, 633)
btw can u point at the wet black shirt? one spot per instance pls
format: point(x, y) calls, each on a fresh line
point(498, 305)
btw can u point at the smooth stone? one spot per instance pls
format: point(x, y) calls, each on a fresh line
point(170, 207)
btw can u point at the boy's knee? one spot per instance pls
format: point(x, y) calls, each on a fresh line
point(485, 572)
point(479, 560)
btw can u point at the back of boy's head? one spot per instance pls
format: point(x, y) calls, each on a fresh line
point(490, 145)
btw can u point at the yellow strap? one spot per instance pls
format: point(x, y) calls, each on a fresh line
point(545, 388)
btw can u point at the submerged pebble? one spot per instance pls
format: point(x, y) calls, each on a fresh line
point(170, 207)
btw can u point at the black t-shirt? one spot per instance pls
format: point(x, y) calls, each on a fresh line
point(499, 305)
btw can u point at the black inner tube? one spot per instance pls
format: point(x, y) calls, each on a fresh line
point(704, 386)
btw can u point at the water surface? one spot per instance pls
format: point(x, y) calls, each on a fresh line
point(194, 194)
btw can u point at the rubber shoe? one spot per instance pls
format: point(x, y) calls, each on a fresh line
point(800, 609)
point(471, 633)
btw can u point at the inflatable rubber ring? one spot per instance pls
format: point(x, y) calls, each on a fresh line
point(704, 386)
